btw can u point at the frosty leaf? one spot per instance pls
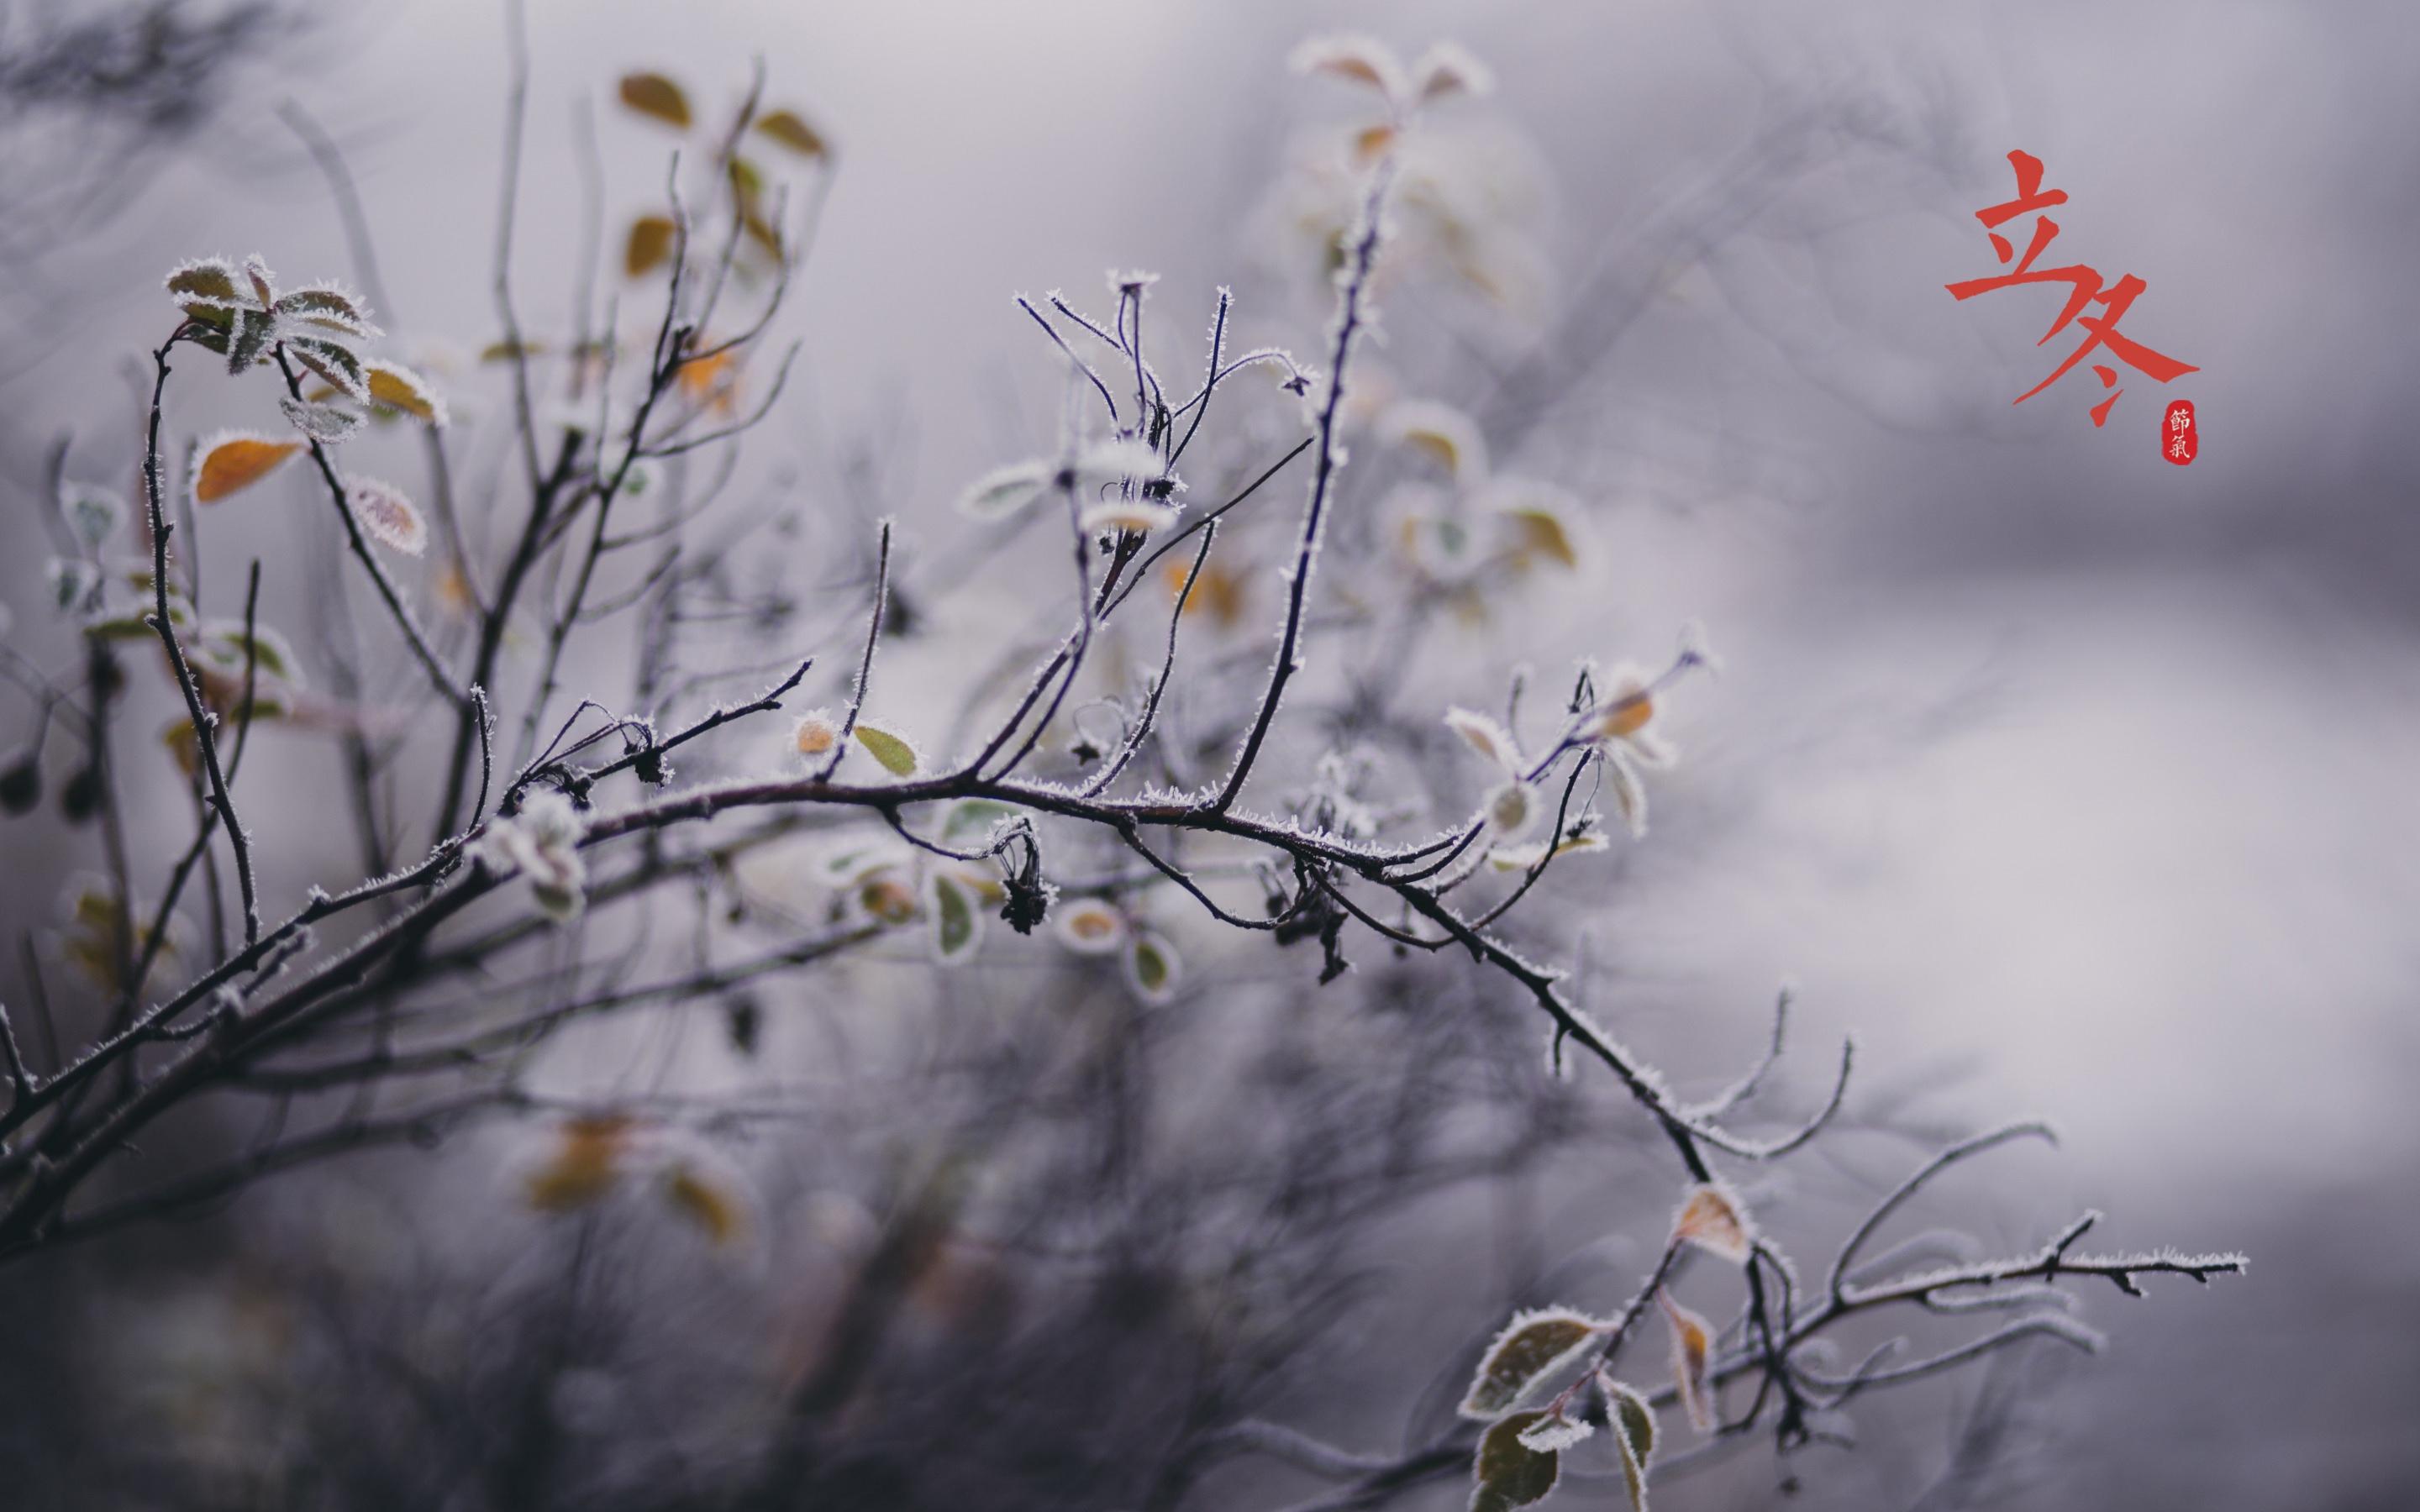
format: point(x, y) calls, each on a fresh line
point(1130, 515)
point(323, 423)
point(957, 925)
point(971, 819)
point(93, 511)
point(1369, 142)
point(1004, 491)
point(649, 246)
point(652, 94)
point(334, 364)
point(1441, 433)
point(1153, 967)
point(1511, 809)
point(329, 308)
point(1091, 927)
point(1531, 1344)
point(209, 280)
point(1522, 857)
point(1360, 60)
point(232, 461)
point(393, 386)
point(1691, 1346)
point(1448, 68)
point(896, 755)
point(815, 733)
point(1123, 460)
point(1508, 1473)
point(1629, 793)
point(1486, 737)
point(1714, 1220)
point(72, 582)
point(249, 342)
point(1634, 1433)
point(263, 648)
point(1635, 1417)
point(885, 896)
point(1540, 527)
point(391, 518)
point(1553, 1433)
point(264, 283)
point(790, 129)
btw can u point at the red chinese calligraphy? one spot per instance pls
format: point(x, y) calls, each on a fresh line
point(2180, 438)
point(2085, 289)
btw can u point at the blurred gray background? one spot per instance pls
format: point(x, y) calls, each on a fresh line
point(2077, 783)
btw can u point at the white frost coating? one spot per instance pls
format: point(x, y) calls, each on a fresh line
point(1133, 514)
point(1549, 1434)
point(1449, 68)
point(1442, 432)
point(1482, 734)
point(1472, 1408)
point(1357, 59)
point(1004, 490)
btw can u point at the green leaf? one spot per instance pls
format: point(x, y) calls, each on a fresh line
point(328, 307)
point(1530, 1345)
point(264, 648)
point(896, 755)
point(334, 364)
point(791, 129)
point(652, 94)
point(93, 511)
point(252, 331)
point(211, 280)
point(1151, 968)
point(1634, 1423)
point(957, 925)
point(1508, 1473)
point(975, 819)
point(323, 423)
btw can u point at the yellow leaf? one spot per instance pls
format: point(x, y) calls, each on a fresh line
point(585, 1165)
point(707, 1200)
point(652, 94)
point(1370, 141)
point(1692, 1350)
point(649, 246)
point(791, 129)
point(397, 387)
point(1542, 531)
point(1713, 1220)
point(235, 462)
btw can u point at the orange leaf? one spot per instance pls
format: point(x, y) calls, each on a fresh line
point(233, 462)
